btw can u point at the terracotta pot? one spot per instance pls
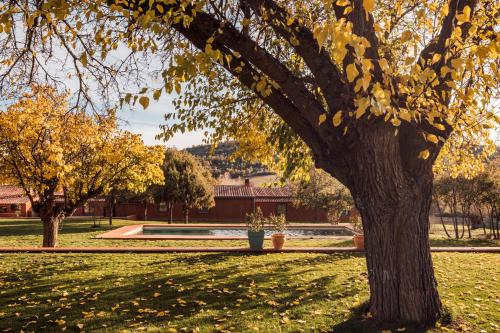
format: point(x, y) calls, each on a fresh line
point(278, 241)
point(359, 241)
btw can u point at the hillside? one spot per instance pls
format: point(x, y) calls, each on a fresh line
point(220, 161)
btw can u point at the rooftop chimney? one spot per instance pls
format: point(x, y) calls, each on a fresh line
point(247, 181)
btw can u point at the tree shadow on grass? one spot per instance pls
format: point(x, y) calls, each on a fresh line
point(218, 284)
point(360, 322)
point(34, 227)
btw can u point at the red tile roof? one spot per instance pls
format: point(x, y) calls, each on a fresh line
point(11, 194)
point(14, 200)
point(245, 191)
point(272, 192)
point(14, 194)
point(233, 191)
point(10, 191)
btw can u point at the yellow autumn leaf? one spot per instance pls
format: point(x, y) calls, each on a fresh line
point(405, 115)
point(439, 127)
point(424, 154)
point(363, 104)
point(368, 5)
point(406, 36)
point(337, 119)
point(83, 59)
point(157, 94)
point(343, 3)
point(351, 72)
point(383, 64)
point(464, 16)
point(320, 34)
point(432, 138)
point(436, 57)
point(322, 118)
point(144, 101)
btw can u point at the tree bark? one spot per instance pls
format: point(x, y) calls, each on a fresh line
point(186, 214)
point(171, 205)
point(50, 230)
point(394, 206)
point(111, 208)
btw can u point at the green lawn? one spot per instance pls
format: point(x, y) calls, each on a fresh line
point(80, 233)
point(221, 292)
point(292, 292)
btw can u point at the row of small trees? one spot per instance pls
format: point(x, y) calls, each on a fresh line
point(62, 158)
point(470, 203)
point(186, 181)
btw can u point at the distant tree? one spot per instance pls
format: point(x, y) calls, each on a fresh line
point(464, 199)
point(148, 196)
point(447, 197)
point(140, 168)
point(322, 191)
point(46, 149)
point(490, 195)
point(186, 182)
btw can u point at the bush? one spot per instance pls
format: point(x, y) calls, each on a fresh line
point(255, 221)
point(278, 222)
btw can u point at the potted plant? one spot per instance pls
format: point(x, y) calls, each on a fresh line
point(255, 224)
point(279, 225)
point(358, 238)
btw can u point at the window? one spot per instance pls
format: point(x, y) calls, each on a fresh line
point(162, 206)
point(3, 209)
point(281, 209)
point(203, 210)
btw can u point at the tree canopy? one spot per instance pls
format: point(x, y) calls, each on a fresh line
point(322, 191)
point(54, 154)
point(428, 68)
point(187, 182)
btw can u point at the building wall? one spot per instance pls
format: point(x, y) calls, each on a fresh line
point(25, 210)
point(92, 208)
point(130, 209)
point(292, 213)
point(225, 210)
point(303, 214)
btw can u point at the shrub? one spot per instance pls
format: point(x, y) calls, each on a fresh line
point(278, 222)
point(255, 221)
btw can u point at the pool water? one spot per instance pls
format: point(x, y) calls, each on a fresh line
point(242, 232)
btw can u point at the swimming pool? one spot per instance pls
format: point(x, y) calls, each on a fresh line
point(221, 231)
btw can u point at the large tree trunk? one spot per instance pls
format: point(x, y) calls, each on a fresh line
point(395, 206)
point(50, 229)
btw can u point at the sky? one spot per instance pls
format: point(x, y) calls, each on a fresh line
point(147, 122)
